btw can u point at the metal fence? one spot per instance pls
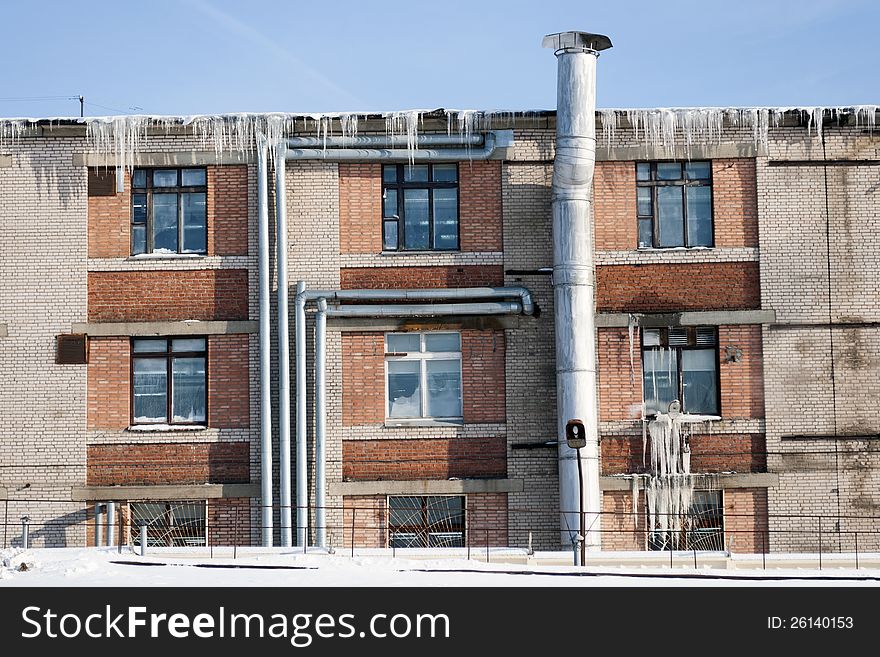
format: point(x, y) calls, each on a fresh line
point(410, 525)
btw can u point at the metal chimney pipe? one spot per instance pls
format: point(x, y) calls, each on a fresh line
point(574, 276)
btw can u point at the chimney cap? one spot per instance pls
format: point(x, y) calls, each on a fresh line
point(576, 41)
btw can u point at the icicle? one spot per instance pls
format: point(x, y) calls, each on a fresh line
point(632, 322)
point(635, 498)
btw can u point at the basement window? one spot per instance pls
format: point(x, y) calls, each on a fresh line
point(423, 376)
point(168, 381)
point(170, 524)
point(680, 363)
point(420, 207)
point(702, 529)
point(674, 201)
point(169, 211)
point(426, 521)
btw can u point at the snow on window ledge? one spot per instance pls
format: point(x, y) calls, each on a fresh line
point(393, 423)
point(166, 255)
point(167, 427)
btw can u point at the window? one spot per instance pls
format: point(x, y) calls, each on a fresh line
point(169, 211)
point(420, 207)
point(169, 524)
point(702, 529)
point(428, 521)
point(680, 363)
point(168, 380)
point(423, 375)
point(674, 202)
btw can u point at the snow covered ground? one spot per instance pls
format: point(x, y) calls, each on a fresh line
point(257, 567)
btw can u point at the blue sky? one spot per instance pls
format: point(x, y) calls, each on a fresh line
point(206, 56)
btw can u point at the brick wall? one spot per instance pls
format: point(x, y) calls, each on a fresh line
point(154, 464)
point(710, 452)
point(136, 296)
point(486, 520)
point(735, 202)
point(745, 520)
point(381, 278)
point(228, 389)
point(229, 521)
point(621, 530)
point(363, 377)
point(614, 206)
point(678, 287)
point(432, 458)
point(365, 519)
point(620, 383)
point(109, 222)
point(109, 217)
point(360, 208)
point(742, 382)
point(109, 372)
point(227, 210)
point(480, 206)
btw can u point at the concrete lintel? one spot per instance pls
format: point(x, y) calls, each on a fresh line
point(191, 492)
point(5, 161)
point(3, 331)
point(699, 318)
point(106, 329)
point(427, 487)
point(680, 152)
point(177, 159)
point(426, 323)
point(725, 481)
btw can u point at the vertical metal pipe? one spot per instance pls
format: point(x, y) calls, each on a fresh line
point(573, 277)
point(265, 347)
point(25, 532)
point(144, 539)
point(283, 347)
point(320, 422)
point(302, 490)
point(111, 523)
point(99, 513)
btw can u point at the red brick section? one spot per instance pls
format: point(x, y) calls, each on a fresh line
point(227, 210)
point(154, 464)
point(620, 529)
point(742, 382)
point(360, 208)
point(735, 201)
point(364, 519)
point(485, 519)
point(363, 377)
point(480, 225)
point(108, 383)
point(228, 384)
point(620, 386)
point(709, 453)
point(384, 278)
point(430, 458)
point(229, 521)
point(678, 287)
point(614, 206)
point(142, 296)
point(109, 223)
point(745, 520)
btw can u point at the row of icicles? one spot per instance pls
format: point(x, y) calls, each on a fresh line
point(125, 136)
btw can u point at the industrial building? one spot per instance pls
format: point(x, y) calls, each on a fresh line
point(290, 329)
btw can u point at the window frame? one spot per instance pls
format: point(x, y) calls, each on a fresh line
point(422, 357)
point(654, 184)
point(400, 185)
point(169, 357)
point(179, 190)
point(679, 349)
point(422, 530)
